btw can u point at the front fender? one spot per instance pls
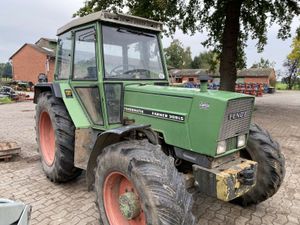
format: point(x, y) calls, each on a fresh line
point(110, 137)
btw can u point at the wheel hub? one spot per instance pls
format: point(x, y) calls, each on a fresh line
point(121, 201)
point(129, 204)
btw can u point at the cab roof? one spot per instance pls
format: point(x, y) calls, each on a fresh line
point(117, 18)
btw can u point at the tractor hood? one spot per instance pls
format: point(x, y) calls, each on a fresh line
point(182, 92)
point(190, 119)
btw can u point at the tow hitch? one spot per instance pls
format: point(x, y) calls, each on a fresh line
point(227, 181)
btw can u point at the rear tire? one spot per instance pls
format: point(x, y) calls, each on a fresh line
point(150, 174)
point(55, 134)
point(271, 166)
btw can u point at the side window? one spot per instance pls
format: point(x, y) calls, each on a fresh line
point(113, 94)
point(85, 66)
point(64, 56)
point(90, 98)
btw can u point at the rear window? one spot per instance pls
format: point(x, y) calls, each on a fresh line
point(64, 56)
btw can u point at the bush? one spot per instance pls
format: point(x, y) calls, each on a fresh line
point(5, 100)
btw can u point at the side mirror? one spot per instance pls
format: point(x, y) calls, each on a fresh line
point(42, 78)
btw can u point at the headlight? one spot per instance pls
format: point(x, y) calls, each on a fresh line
point(241, 141)
point(221, 147)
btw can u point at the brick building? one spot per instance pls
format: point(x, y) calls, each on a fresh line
point(32, 59)
point(252, 75)
point(187, 75)
point(258, 75)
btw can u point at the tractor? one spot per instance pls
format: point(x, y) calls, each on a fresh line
point(147, 147)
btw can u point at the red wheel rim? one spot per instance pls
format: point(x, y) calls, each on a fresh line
point(47, 138)
point(115, 185)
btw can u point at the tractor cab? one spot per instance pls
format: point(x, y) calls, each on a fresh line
point(103, 56)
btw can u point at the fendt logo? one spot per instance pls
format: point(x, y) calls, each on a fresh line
point(237, 115)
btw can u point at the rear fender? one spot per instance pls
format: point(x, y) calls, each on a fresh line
point(110, 137)
point(49, 87)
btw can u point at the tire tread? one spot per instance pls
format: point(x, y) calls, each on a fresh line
point(63, 168)
point(163, 182)
point(271, 166)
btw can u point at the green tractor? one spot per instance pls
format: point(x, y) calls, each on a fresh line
point(145, 145)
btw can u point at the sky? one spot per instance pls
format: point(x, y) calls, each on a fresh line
point(26, 21)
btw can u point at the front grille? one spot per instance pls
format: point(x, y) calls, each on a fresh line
point(237, 118)
point(231, 143)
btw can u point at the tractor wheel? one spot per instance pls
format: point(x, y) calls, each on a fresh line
point(271, 166)
point(137, 184)
point(55, 133)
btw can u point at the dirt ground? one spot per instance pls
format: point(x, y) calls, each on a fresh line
point(22, 179)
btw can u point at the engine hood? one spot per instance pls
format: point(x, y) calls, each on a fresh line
point(187, 118)
point(183, 92)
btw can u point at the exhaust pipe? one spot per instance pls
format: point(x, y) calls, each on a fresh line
point(203, 82)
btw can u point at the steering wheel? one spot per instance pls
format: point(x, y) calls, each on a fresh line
point(118, 70)
point(139, 73)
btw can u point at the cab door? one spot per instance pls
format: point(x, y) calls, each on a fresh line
point(85, 70)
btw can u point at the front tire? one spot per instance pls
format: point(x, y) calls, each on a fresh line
point(271, 166)
point(55, 133)
point(147, 179)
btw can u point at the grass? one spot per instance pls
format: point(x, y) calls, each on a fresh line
point(5, 100)
point(282, 86)
point(3, 79)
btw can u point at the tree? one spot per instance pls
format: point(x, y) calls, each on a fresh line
point(177, 56)
point(292, 75)
point(187, 58)
point(206, 60)
point(295, 53)
point(229, 23)
point(293, 63)
point(2, 65)
point(7, 70)
point(263, 63)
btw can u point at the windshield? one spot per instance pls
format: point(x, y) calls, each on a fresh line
point(131, 54)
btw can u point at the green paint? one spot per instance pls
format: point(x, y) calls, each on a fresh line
point(203, 112)
point(199, 132)
point(74, 108)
